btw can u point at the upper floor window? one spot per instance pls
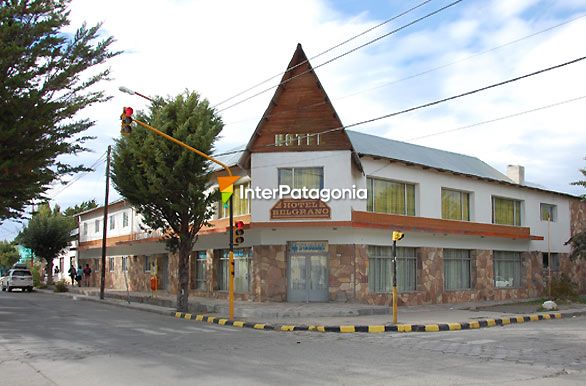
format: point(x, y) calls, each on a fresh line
point(506, 211)
point(112, 222)
point(96, 226)
point(124, 219)
point(299, 178)
point(548, 212)
point(390, 197)
point(241, 205)
point(455, 205)
point(85, 228)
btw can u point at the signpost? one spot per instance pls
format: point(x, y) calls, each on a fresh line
point(396, 237)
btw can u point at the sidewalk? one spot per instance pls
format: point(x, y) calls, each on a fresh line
point(274, 315)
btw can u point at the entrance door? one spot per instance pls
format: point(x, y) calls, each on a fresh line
point(308, 272)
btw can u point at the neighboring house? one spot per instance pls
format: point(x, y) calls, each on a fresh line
point(472, 233)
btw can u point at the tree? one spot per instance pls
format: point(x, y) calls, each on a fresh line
point(47, 77)
point(166, 183)
point(85, 205)
point(578, 241)
point(8, 255)
point(47, 234)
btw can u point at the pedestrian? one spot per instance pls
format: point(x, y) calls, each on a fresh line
point(78, 274)
point(87, 271)
point(72, 275)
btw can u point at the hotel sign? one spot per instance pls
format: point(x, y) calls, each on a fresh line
point(289, 208)
point(298, 140)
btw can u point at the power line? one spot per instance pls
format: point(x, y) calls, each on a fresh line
point(342, 55)
point(323, 52)
point(79, 176)
point(439, 101)
point(499, 118)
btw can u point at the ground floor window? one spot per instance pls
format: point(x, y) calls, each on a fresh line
point(380, 267)
point(111, 264)
point(200, 269)
point(555, 261)
point(507, 269)
point(242, 258)
point(147, 263)
point(456, 269)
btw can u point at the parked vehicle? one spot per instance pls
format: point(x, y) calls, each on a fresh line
point(17, 278)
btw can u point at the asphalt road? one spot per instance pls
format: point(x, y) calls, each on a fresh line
point(53, 340)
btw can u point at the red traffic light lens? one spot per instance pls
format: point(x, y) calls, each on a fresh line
point(128, 111)
point(239, 225)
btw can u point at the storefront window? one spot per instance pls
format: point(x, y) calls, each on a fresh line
point(456, 269)
point(380, 269)
point(299, 178)
point(200, 270)
point(507, 269)
point(242, 258)
point(390, 197)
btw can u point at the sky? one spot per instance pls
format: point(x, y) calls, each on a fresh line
point(220, 48)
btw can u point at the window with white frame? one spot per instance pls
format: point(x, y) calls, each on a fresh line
point(200, 270)
point(455, 205)
point(548, 212)
point(392, 197)
point(506, 211)
point(124, 219)
point(85, 226)
point(507, 269)
point(242, 258)
point(96, 226)
point(112, 221)
point(380, 269)
point(457, 269)
point(111, 264)
point(241, 206)
point(299, 178)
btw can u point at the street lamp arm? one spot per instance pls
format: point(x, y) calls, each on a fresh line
point(186, 146)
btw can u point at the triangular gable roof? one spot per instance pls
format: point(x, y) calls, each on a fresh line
point(300, 106)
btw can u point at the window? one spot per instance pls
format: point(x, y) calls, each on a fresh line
point(147, 263)
point(390, 197)
point(380, 269)
point(96, 226)
point(555, 261)
point(85, 228)
point(548, 212)
point(124, 219)
point(111, 264)
point(455, 205)
point(241, 205)
point(506, 211)
point(124, 263)
point(241, 270)
point(298, 178)
point(456, 269)
point(507, 269)
point(112, 222)
point(200, 270)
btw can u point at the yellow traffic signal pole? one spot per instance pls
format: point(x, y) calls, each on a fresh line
point(394, 281)
point(200, 153)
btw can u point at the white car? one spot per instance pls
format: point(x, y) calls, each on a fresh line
point(17, 278)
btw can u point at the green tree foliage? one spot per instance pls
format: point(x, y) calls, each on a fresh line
point(47, 234)
point(46, 79)
point(8, 255)
point(578, 241)
point(165, 182)
point(78, 208)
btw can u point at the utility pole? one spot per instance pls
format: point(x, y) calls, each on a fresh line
point(396, 236)
point(105, 222)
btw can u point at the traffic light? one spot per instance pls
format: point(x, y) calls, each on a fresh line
point(398, 235)
point(238, 232)
point(126, 120)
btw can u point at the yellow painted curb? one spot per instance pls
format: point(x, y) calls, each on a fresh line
point(455, 326)
point(178, 314)
point(347, 329)
point(188, 316)
point(259, 326)
point(376, 328)
point(238, 324)
point(199, 317)
point(222, 322)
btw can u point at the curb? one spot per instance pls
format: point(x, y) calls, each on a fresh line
point(434, 327)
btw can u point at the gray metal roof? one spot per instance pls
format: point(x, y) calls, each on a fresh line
point(366, 144)
point(230, 157)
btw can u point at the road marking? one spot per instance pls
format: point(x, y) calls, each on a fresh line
point(481, 341)
point(209, 330)
point(149, 332)
point(173, 330)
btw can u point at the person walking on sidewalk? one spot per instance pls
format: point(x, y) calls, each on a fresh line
point(78, 274)
point(87, 271)
point(72, 275)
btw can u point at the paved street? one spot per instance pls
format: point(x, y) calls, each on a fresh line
point(48, 340)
